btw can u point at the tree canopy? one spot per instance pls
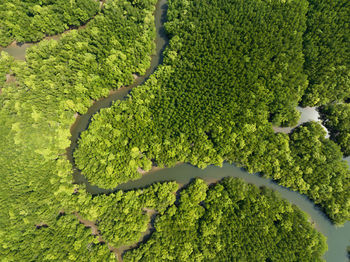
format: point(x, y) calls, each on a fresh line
point(232, 70)
point(336, 117)
point(231, 221)
point(326, 49)
point(122, 217)
point(37, 107)
point(227, 76)
point(32, 20)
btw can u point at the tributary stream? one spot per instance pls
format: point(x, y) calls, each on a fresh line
point(338, 238)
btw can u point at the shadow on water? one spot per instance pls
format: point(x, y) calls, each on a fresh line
point(161, 32)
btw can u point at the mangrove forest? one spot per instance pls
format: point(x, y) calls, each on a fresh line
point(112, 93)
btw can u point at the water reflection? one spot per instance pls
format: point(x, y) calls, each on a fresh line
point(307, 114)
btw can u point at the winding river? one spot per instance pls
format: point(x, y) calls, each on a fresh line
point(338, 238)
point(82, 121)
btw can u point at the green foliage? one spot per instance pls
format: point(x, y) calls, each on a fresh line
point(33, 191)
point(309, 163)
point(65, 240)
point(230, 69)
point(30, 21)
point(58, 79)
point(233, 221)
point(5, 64)
point(336, 118)
point(225, 74)
point(326, 49)
point(319, 171)
point(121, 217)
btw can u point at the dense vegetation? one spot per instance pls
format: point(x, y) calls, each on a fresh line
point(65, 240)
point(226, 75)
point(336, 118)
point(32, 20)
point(326, 49)
point(122, 216)
point(232, 221)
point(62, 77)
point(38, 99)
point(207, 100)
point(319, 171)
point(232, 68)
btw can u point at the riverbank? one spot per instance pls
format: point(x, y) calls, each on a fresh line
point(337, 237)
point(144, 236)
point(82, 121)
point(307, 114)
point(18, 50)
point(147, 178)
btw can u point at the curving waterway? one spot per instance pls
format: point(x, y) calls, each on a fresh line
point(82, 121)
point(338, 238)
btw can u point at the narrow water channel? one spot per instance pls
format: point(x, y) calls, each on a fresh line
point(307, 114)
point(83, 121)
point(18, 51)
point(337, 237)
